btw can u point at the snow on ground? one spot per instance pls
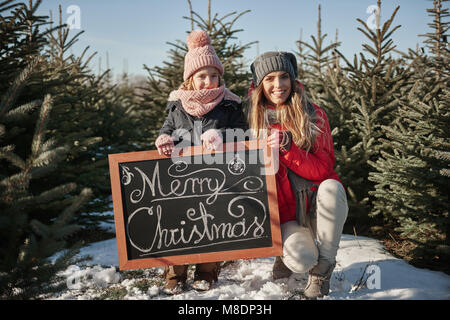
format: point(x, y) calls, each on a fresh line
point(364, 270)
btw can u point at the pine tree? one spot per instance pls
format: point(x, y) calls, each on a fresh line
point(412, 175)
point(365, 93)
point(313, 64)
point(27, 241)
point(74, 93)
point(27, 35)
point(325, 81)
point(120, 126)
point(88, 113)
point(162, 80)
point(92, 115)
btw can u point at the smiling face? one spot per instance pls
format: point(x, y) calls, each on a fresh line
point(277, 87)
point(206, 78)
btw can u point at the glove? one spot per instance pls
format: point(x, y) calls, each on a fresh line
point(164, 144)
point(281, 140)
point(212, 139)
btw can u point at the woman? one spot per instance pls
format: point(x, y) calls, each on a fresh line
point(311, 199)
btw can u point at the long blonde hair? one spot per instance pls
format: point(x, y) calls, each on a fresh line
point(291, 115)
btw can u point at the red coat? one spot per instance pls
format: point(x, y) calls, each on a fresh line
point(316, 166)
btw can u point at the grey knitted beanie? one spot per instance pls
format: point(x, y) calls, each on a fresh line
point(273, 61)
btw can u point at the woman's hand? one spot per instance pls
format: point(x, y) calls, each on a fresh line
point(280, 140)
point(212, 139)
point(164, 144)
point(275, 138)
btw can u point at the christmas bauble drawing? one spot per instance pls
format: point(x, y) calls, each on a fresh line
point(236, 166)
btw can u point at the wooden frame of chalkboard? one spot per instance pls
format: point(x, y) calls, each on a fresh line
point(200, 206)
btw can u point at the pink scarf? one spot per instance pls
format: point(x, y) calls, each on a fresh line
point(199, 102)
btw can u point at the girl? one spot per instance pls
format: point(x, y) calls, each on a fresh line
point(311, 199)
point(201, 103)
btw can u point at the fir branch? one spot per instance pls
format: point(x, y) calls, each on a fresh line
point(8, 154)
point(65, 231)
point(67, 214)
point(39, 133)
point(18, 181)
point(47, 145)
point(8, 99)
point(190, 13)
point(46, 157)
point(22, 111)
point(39, 228)
point(46, 196)
point(4, 5)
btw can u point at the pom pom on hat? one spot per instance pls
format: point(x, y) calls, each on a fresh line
point(197, 38)
point(200, 54)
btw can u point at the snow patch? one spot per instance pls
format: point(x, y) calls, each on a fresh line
point(390, 278)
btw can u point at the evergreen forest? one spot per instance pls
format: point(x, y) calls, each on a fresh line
point(389, 112)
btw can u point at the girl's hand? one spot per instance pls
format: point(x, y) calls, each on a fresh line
point(164, 144)
point(212, 139)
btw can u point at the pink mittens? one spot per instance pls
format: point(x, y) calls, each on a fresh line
point(212, 139)
point(164, 144)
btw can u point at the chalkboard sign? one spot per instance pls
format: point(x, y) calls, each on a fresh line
point(197, 206)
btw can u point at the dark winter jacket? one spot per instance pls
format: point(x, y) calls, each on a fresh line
point(227, 114)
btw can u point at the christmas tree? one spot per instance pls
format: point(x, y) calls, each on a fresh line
point(412, 174)
point(92, 115)
point(50, 165)
point(364, 92)
point(89, 113)
point(314, 63)
point(27, 240)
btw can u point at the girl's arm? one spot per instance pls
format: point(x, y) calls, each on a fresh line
point(168, 126)
point(237, 119)
point(165, 143)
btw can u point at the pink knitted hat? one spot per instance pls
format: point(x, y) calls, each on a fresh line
point(201, 54)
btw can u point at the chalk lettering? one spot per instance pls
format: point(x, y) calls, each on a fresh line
point(181, 207)
point(200, 229)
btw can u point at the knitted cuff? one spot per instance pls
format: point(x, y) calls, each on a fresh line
point(163, 139)
point(286, 142)
point(212, 136)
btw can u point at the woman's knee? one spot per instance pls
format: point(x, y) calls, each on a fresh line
point(331, 187)
point(300, 260)
point(332, 195)
point(300, 253)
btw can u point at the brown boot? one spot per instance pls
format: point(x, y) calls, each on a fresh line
point(319, 279)
point(175, 279)
point(280, 270)
point(205, 274)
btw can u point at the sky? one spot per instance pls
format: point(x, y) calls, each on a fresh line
point(130, 33)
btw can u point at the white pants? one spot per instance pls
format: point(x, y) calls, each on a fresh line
point(302, 247)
